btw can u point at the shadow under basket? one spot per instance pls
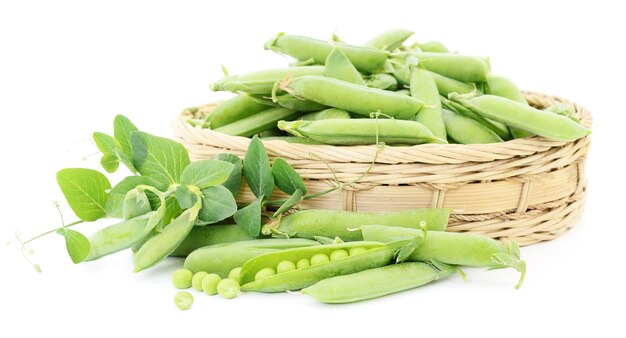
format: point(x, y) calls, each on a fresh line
point(528, 190)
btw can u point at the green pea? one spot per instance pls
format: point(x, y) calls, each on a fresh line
point(235, 273)
point(183, 300)
point(264, 273)
point(303, 263)
point(285, 266)
point(356, 251)
point(319, 258)
point(196, 281)
point(338, 254)
point(181, 278)
point(228, 288)
point(209, 283)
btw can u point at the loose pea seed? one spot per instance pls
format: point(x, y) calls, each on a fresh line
point(303, 263)
point(183, 300)
point(228, 288)
point(196, 281)
point(357, 251)
point(182, 278)
point(338, 254)
point(285, 266)
point(319, 259)
point(235, 273)
point(264, 273)
point(210, 282)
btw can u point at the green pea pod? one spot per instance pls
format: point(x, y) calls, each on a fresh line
point(465, 130)
point(499, 128)
point(326, 114)
point(164, 243)
point(345, 224)
point(376, 255)
point(501, 86)
point(446, 85)
point(365, 59)
point(262, 81)
point(453, 248)
point(256, 123)
point(423, 88)
point(295, 103)
point(135, 204)
point(377, 282)
point(351, 97)
point(231, 110)
point(361, 131)
point(515, 114)
point(201, 236)
point(338, 66)
point(382, 81)
point(389, 40)
point(118, 237)
point(464, 68)
point(272, 132)
point(222, 258)
point(433, 47)
point(563, 109)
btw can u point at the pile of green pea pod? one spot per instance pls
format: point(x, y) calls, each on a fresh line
point(383, 91)
point(336, 256)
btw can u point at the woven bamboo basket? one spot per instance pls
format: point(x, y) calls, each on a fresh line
point(528, 190)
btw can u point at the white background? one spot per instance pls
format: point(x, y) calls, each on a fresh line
point(68, 67)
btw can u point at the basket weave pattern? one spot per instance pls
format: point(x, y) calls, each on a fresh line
point(528, 190)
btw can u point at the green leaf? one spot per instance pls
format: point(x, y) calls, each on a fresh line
point(85, 191)
point(233, 183)
point(122, 129)
point(105, 143)
point(157, 157)
point(286, 178)
point(76, 243)
point(290, 202)
point(186, 199)
point(256, 169)
point(218, 204)
point(110, 162)
point(206, 173)
point(116, 197)
point(249, 218)
point(172, 210)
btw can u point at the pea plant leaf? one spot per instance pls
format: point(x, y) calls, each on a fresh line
point(233, 182)
point(85, 191)
point(110, 162)
point(186, 199)
point(122, 129)
point(294, 199)
point(256, 169)
point(117, 194)
point(107, 145)
point(218, 204)
point(206, 173)
point(249, 217)
point(159, 158)
point(172, 210)
point(77, 244)
point(286, 178)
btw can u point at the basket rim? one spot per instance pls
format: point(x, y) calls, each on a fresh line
point(423, 153)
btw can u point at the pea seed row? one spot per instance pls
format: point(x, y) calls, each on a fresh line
point(376, 77)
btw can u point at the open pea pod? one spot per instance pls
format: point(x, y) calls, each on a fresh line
point(375, 255)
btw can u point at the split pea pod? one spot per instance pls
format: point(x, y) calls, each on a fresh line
point(338, 66)
point(119, 236)
point(465, 130)
point(262, 81)
point(351, 97)
point(375, 255)
point(259, 122)
point(515, 114)
point(464, 68)
point(201, 236)
point(222, 258)
point(378, 282)
point(389, 40)
point(453, 248)
point(231, 110)
point(326, 114)
point(361, 131)
point(501, 86)
point(365, 59)
point(424, 88)
point(345, 224)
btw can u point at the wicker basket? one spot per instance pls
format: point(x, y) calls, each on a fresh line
point(528, 190)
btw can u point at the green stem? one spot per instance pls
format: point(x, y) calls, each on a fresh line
point(49, 232)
